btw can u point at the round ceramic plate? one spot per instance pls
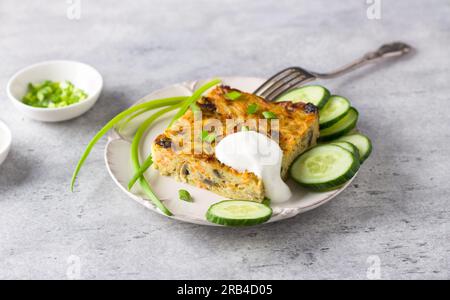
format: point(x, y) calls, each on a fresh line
point(118, 162)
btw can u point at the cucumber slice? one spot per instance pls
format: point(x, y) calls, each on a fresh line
point(349, 147)
point(343, 126)
point(361, 142)
point(315, 94)
point(334, 110)
point(238, 213)
point(324, 167)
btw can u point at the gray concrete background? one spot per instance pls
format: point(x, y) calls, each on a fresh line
point(397, 208)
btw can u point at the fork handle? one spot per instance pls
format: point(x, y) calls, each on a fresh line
point(395, 49)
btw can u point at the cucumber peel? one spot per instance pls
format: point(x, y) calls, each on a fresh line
point(324, 167)
point(343, 126)
point(361, 142)
point(349, 147)
point(334, 110)
point(238, 213)
point(315, 94)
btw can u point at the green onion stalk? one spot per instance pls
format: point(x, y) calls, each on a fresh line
point(122, 125)
point(152, 104)
point(135, 158)
point(195, 96)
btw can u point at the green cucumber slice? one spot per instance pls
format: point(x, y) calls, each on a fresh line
point(324, 167)
point(315, 94)
point(361, 142)
point(334, 110)
point(349, 147)
point(238, 213)
point(343, 126)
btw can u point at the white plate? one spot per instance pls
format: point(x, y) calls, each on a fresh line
point(117, 157)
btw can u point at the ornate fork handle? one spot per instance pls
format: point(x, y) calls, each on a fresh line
point(387, 50)
point(295, 76)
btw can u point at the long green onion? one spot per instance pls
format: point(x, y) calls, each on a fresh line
point(195, 96)
point(135, 156)
point(152, 104)
point(144, 167)
point(135, 144)
point(123, 124)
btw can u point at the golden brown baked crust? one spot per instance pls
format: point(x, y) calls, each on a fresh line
point(179, 151)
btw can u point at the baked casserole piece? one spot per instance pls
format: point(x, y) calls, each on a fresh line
point(184, 153)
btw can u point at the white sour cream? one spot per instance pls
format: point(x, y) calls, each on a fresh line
point(255, 152)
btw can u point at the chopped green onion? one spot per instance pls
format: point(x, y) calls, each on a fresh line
point(252, 109)
point(269, 115)
point(184, 195)
point(50, 94)
point(195, 96)
point(208, 137)
point(233, 95)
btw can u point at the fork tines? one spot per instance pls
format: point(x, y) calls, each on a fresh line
point(282, 82)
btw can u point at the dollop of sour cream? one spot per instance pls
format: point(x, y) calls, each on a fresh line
point(255, 152)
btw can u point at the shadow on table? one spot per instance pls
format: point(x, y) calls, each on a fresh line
point(16, 169)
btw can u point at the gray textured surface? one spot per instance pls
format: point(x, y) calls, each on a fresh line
point(397, 209)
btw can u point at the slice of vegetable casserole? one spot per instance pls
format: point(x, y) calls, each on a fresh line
point(185, 151)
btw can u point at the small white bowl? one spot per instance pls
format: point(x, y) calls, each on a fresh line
point(81, 75)
point(5, 141)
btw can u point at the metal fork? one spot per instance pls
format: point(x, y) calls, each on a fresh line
point(296, 76)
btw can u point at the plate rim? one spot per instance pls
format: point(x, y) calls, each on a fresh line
point(285, 213)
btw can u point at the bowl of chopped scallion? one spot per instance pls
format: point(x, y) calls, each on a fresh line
point(55, 91)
